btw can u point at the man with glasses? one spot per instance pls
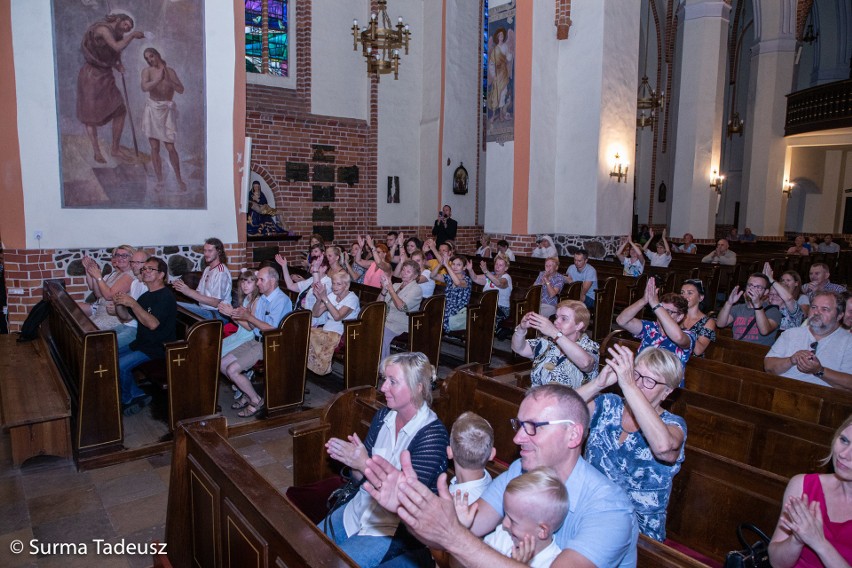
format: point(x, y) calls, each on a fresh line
point(125, 332)
point(600, 529)
point(156, 313)
point(819, 353)
point(665, 333)
point(755, 320)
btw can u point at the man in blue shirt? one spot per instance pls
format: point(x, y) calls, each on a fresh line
point(600, 529)
point(269, 310)
point(582, 271)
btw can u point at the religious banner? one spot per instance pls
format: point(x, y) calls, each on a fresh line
point(131, 103)
point(500, 94)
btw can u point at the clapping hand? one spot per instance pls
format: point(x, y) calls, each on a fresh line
point(650, 234)
point(464, 511)
point(652, 297)
point(319, 290)
point(620, 364)
point(351, 453)
point(734, 296)
point(282, 261)
point(483, 266)
point(803, 520)
point(225, 309)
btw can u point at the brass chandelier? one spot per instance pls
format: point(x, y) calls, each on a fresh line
point(647, 99)
point(381, 45)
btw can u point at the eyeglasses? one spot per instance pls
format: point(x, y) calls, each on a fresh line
point(531, 427)
point(137, 262)
point(121, 255)
point(646, 381)
point(756, 286)
point(148, 269)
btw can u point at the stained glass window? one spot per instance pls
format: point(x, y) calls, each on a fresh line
point(267, 37)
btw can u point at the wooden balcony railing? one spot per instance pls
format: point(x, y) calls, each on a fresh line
point(819, 108)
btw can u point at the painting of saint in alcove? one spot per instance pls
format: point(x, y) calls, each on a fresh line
point(262, 217)
point(130, 103)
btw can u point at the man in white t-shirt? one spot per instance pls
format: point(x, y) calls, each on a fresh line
point(125, 333)
point(214, 286)
point(819, 353)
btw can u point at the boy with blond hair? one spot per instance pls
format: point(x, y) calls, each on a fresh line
point(471, 448)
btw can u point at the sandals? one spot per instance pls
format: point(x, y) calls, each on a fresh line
point(257, 408)
point(241, 403)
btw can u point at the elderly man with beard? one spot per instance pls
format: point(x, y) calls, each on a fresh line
point(820, 353)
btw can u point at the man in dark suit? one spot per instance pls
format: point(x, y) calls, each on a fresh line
point(445, 226)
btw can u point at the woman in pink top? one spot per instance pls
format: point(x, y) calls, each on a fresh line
point(815, 528)
point(379, 264)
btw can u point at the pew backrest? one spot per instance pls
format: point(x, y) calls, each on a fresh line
point(426, 328)
point(363, 339)
point(192, 372)
point(604, 308)
point(285, 356)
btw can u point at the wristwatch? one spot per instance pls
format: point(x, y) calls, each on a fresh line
point(558, 335)
point(758, 308)
point(820, 374)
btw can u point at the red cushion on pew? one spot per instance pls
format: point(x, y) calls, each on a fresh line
point(312, 499)
point(692, 553)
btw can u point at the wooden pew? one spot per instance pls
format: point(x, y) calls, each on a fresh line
point(478, 335)
point(285, 360)
point(824, 406)
point(192, 371)
point(35, 403)
point(87, 360)
point(734, 352)
point(222, 512)
point(523, 300)
point(604, 308)
point(363, 351)
point(425, 329)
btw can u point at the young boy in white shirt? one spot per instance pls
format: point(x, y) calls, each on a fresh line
point(471, 448)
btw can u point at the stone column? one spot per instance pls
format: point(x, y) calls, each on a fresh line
point(699, 106)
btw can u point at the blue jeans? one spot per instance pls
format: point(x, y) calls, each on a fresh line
point(128, 359)
point(589, 301)
point(205, 313)
point(124, 335)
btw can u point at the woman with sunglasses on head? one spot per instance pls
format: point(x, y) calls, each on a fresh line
point(696, 321)
point(815, 527)
point(632, 439)
point(106, 287)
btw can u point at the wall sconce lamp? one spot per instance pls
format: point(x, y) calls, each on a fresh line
point(716, 181)
point(787, 189)
point(619, 169)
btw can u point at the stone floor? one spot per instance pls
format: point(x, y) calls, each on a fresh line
point(48, 502)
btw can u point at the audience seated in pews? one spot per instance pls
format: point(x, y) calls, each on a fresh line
point(379, 265)
point(394, 244)
point(665, 333)
point(828, 245)
point(663, 256)
point(562, 353)
point(780, 297)
point(722, 254)
point(405, 249)
point(471, 448)
point(365, 531)
point(551, 282)
point(754, 320)
point(687, 246)
point(458, 286)
point(820, 352)
point(748, 236)
point(536, 504)
point(333, 255)
point(214, 286)
point(644, 234)
point(732, 235)
point(305, 287)
point(316, 255)
point(499, 280)
point(815, 526)
point(270, 308)
point(633, 440)
point(630, 257)
point(798, 247)
point(412, 244)
point(445, 226)
point(544, 248)
point(329, 313)
point(812, 245)
point(820, 276)
point(503, 248)
point(792, 281)
point(601, 529)
point(582, 271)
point(104, 289)
point(484, 250)
point(401, 298)
point(438, 253)
point(247, 296)
point(696, 321)
point(125, 332)
point(156, 313)
point(847, 313)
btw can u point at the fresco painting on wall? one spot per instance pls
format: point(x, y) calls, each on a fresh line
point(131, 103)
point(500, 95)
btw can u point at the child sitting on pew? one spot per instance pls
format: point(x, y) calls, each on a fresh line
point(536, 504)
point(471, 448)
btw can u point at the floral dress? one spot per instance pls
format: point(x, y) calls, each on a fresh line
point(457, 298)
point(631, 465)
point(700, 329)
point(551, 365)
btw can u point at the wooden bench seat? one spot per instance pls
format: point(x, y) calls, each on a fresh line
point(425, 329)
point(363, 346)
point(223, 512)
point(478, 335)
point(35, 403)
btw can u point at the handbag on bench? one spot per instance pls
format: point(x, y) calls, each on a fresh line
point(753, 555)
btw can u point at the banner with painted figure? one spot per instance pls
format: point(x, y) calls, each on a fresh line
point(500, 94)
point(131, 103)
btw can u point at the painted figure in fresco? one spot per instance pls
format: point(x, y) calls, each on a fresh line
point(159, 119)
point(262, 219)
point(501, 55)
point(98, 99)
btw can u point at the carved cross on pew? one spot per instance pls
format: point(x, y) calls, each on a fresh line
point(473, 316)
point(274, 346)
point(179, 360)
point(100, 372)
point(417, 325)
point(354, 334)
